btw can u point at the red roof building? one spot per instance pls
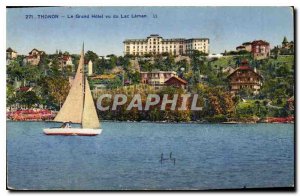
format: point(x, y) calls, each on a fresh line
point(176, 82)
point(65, 60)
point(260, 49)
point(34, 56)
point(24, 89)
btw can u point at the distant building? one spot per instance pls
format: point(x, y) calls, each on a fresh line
point(156, 78)
point(176, 82)
point(240, 48)
point(34, 56)
point(11, 54)
point(228, 70)
point(291, 103)
point(24, 89)
point(245, 77)
point(287, 47)
point(216, 56)
point(155, 44)
point(260, 49)
point(247, 46)
point(286, 44)
point(66, 60)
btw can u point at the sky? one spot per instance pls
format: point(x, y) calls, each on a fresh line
point(226, 27)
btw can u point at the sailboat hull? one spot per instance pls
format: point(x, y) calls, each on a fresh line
point(72, 131)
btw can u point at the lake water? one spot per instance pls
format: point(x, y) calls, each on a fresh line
point(127, 156)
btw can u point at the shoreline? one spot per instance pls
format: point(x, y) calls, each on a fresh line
point(163, 122)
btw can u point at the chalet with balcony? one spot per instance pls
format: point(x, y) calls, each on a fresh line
point(245, 77)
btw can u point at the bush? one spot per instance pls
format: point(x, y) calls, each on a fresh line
point(217, 118)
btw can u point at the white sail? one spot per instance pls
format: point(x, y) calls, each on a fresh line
point(90, 118)
point(72, 108)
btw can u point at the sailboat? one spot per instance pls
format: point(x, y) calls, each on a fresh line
point(78, 108)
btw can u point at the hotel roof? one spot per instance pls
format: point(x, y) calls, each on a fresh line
point(176, 78)
point(260, 42)
point(163, 40)
point(245, 67)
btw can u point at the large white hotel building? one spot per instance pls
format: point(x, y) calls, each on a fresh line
point(155, 44)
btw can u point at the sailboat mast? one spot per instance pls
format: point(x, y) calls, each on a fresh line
point(83, 77)
point(83, 68)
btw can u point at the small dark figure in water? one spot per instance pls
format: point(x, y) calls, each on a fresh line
point(172, 159)
point(164, 159)
point(63, 125)
point(66, 125)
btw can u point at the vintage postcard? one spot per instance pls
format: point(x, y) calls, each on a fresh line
point(150, 98)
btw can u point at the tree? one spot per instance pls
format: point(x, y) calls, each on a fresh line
point(55, 90)
point(196, 63)
point(112, 63)
point(27, 99)
point(90, 55)
point(10, 95)
point(245, 92)
point(134, 77)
